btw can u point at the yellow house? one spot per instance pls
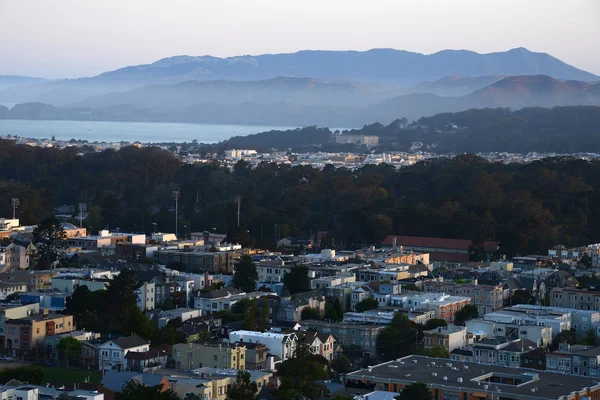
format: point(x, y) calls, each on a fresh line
point(189, 356)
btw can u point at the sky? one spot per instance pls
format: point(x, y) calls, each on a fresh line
point(76, 38)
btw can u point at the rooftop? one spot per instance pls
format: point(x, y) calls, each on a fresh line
point(440, 373)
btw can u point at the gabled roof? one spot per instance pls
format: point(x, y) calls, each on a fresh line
point(130, 341)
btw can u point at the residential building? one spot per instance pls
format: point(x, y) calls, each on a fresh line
point(112, 353)
point(513, 328)
point(466, 380)
point(450, 250)
point(363, 335)
point(449, 337)
point(19, 257)
point(144, 360)
point(321, 344)
point(145, 296)
point(282, 345)
point(48, 302)
point(198, 260)
point(256, 356)
point(580, 299)
point(183, 314)
point(66, 284)
point(30, 332)
point(487, 298)
point(15, 311)
point(223, 299)
point(73, 231)
point(330, 281)
point(575, 360)
point(289, 308)
point(188, 356)
point(534, 359)
point(362, 140)
point(34, 280)
point(444, 306)
point(508, 353)
point(105, 239)
point(8, 288)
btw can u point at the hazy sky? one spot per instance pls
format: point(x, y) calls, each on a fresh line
point(73, 38)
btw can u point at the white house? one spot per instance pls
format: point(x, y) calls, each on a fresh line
point(282, 345)
point(111, 354)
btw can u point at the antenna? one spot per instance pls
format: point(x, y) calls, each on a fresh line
point(81, 211)
point(238, 200)
point(176, 197)
point(15, 203)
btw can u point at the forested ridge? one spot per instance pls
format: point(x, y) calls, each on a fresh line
point(526, 207)
point(555, 130)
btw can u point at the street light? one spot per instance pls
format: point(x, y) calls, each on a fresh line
point(15, 203)
point(176, 197)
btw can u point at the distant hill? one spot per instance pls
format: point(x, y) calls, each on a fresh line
point(512, 92)
point(302, 91)
point(7, 81)
point(390, 67)
point(451, 85)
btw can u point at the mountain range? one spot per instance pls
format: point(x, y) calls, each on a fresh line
point(334, 88)
point(380, 70)
point(514, 92)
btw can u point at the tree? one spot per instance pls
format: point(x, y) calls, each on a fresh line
point(69, 348)
point(250, 316)
point(434, 323)
point(397, 340)
point(468, 312)
point(415, 391)
point(245, 275)
point(566, 336)
point(331, 314)
point(522, 296)
point(264, 314)
point(437, 351)
point(310, 313)
point(94, 219)
point(135, 391)
point(243, 388)
point(300, 373)
point(13, 297)
point(341, 365)
point(31, 374)
point(297, 280)
point(338, 309)
point(367, 304)
point(590, 337)
point(50, 239)
point(586, 261)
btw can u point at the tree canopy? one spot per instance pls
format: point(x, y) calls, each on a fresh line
point(245, 275)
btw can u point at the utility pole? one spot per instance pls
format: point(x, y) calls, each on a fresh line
point(238, 200)
point(15, 203)
point(81, 211)
point(176, 197)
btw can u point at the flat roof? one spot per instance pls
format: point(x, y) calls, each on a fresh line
point(452, 375)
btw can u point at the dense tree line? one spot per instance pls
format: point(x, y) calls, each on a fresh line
point(526, 207)
point(570, 129)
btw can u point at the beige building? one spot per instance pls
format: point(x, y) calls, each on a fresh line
point(19, 257)
point(357, 139)
point(189, 356)
point(29, 332)
point(34, 280)
point(449, 337)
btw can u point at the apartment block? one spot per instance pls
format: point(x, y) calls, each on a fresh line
point(189, 356)
point(28, 332)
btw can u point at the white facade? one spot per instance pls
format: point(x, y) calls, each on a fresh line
point(211, 305)
point(145, 296)
point(282, 345)
point(112, 357)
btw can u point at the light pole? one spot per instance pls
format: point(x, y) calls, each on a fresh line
point(81, 211)
point(238, 200)
point(176, 197)
point(154, 223)
point(15, 203)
